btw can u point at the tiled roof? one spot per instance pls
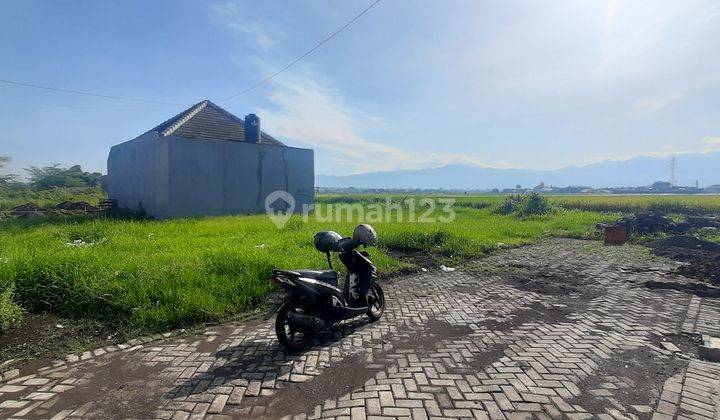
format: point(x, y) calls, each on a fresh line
point(205, 120)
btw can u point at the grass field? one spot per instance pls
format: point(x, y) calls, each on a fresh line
point(145, 276)
point(151, 275)
point(681, 204)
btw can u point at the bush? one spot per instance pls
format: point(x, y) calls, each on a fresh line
point(10, 312)
point(534, 204)
point(511, 204)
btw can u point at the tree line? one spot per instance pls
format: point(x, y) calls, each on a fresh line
point(48, 177)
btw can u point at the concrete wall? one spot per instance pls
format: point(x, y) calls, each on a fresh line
point(138, 174)
point(175, 177)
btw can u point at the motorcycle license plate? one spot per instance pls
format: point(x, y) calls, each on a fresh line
point(274, 301)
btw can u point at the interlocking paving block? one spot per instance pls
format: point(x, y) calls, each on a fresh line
point(560, 329)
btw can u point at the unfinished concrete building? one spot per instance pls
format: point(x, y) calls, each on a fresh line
point(206, 161)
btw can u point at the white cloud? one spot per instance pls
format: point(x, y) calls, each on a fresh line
point(316, 115)
point(712, 142)
point(233, 16)
point(705, 145)
point(648, 106)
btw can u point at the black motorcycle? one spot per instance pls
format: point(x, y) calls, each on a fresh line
point(310, 300)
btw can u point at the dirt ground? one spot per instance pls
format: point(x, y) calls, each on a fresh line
point(702, 258)
point(42, 337)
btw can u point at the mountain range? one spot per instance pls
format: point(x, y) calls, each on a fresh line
point(689, 168)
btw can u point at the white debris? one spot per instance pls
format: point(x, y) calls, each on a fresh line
point(447, 269)
point(260, 246)
point(60, 326)
point(81, 243)
point(423, 269)
point(670, 347)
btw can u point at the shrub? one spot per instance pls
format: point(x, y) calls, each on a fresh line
point(10, 312)
point(534, 204)
point(511, 204)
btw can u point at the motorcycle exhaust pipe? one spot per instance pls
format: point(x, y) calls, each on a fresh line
point(305, 321)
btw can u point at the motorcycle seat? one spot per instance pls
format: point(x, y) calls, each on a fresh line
point(327, 276)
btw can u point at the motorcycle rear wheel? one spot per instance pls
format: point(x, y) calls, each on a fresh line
point(377, 308)
point(292, 338)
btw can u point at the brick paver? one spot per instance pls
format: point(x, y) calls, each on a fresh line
point(496, 342)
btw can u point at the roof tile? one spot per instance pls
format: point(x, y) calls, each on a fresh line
point(205, 120)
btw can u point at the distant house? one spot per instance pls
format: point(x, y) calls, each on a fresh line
point(207, 161)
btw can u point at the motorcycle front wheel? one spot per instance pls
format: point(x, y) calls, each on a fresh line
point(377, 307)
point(291, 337)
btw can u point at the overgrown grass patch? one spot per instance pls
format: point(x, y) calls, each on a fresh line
point(11, 313)
point(154, 275)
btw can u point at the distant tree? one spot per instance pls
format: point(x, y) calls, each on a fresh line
point(56, 176)
point(8, 178)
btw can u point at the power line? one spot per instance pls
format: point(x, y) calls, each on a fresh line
point(80, 92)
point(308, 52)
point(149, 101)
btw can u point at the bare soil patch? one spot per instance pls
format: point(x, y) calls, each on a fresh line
point(702, 257)
point(122, 393)
point(635, 377)
point(42, 337)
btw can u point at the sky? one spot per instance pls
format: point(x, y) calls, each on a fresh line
point(411, 84)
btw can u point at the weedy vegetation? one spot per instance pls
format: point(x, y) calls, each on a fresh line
point(145, 276)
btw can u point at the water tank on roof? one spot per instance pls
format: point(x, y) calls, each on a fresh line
point(252, 128)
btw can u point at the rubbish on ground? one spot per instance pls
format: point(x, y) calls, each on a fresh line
point(651, 222)
point(447, 269)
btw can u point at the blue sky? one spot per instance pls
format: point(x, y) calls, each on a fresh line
point(412, 84)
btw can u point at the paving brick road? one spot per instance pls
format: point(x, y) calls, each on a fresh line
point(561, 329)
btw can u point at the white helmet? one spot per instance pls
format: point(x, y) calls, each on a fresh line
point(364, 235)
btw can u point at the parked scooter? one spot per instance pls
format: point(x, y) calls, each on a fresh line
point(310, 300)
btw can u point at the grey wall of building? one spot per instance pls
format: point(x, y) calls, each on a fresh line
point(138, 174)
point(176, 177)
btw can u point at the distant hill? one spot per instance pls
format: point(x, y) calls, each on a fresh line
point(704, 167)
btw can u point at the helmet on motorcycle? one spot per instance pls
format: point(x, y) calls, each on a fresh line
point(365, 235)
point(326, 241)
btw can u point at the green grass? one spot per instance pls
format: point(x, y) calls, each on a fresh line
point(153, 275)
point(680, 204)
point(10, 312)
point(146, 276)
